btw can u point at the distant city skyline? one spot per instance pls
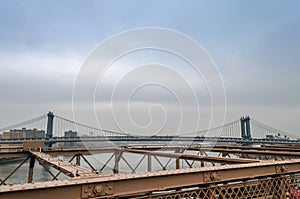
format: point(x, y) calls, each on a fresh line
point(255, 45)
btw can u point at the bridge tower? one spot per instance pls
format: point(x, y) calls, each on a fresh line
point(49, 133)
point(245, 127)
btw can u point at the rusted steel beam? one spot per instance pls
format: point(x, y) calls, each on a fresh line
point(31, 166)
point(106, 163)
point(138, 164)
point(262, 148)
point(78, 159)
point(11, 173)
point(149, 163)
point(240, 149)
point(55, 177)
point(86, 161)
point(83, 151)
point(130, 184)
point(191, 157)
point(47, 169)
point(19, 154)
point(11, 147)
point(246, 151)
point(58, 152)
point(65, 167)
point(118, 156)
point(260, 151)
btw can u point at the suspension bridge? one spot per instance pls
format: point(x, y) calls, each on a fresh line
point(241, 159)
point(243, 130)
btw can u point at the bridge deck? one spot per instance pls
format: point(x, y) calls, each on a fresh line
point(63, 166)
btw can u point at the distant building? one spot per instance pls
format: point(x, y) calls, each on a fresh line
point(20, 134)
point(70, 134)
point(24, 133)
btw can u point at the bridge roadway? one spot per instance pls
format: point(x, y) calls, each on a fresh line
point(234, 171)
point(158, 139)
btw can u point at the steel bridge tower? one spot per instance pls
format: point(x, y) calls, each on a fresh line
point(245, 128)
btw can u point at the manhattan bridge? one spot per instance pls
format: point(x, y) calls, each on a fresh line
point(241, 159)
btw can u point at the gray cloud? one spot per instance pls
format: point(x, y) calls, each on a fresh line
point(255, 45)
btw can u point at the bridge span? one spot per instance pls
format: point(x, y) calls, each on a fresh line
point(55, 129)
point(157, 171)
point(241, 159)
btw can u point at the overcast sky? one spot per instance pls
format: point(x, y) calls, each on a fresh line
point(254, 44)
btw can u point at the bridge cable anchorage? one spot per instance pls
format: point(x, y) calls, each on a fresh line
point(25, 123)
point(103, 132)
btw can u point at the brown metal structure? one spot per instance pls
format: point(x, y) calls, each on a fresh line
point(198, 171)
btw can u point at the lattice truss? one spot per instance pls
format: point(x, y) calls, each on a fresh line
point(281, 187)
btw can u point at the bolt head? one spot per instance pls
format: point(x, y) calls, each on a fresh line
point(98, 189)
